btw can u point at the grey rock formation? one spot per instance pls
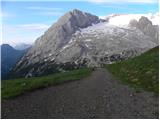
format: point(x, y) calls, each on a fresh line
point(147, 28)
point(56, 37)
point(80, 39)
point(59, 35)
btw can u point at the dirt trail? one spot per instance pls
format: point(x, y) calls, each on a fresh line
point(98, 96)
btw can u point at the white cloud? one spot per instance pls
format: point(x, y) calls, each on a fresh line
point(124, 19)
point(123, 1)
point(99, 1)
point(34, 26)
point(43, 8)
point(26, 33)
point(5, 15)
point(46, 11)
point(1, 15)
point(51, 13)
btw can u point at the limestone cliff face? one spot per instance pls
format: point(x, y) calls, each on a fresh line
point(80, 39)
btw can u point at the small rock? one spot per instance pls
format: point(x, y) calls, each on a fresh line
point(131, 95)
point(104, 96)
point(23, 84)
point(134, 80)
point(92, 116)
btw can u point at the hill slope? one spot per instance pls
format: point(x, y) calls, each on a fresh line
point(9, 57)
point(139, 72)
point(12, 88)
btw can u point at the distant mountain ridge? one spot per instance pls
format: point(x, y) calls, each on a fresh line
point(22, 46)
point(80, 39)
point(9, 57)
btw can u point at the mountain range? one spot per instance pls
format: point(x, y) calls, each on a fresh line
point(9, 57)
point(22, 46)
point(80, 39)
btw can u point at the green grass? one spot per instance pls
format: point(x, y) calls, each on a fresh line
point(12, 88)
point(140, 72)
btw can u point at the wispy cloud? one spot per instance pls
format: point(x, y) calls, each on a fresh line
point(123, 1)
point(34, 26)
point(26, 33)
point(98, 1)
point(46, 11)
point(43, 8)
point(5, 15)
point(51, 13)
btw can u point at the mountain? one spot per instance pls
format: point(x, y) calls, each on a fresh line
point(80, 39)
point(124, 19)
point(22, 46)
point(9, 57)
point(147, 28)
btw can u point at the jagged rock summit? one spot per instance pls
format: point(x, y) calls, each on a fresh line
point(147, 28)
point(58, 35)
point(80, 39)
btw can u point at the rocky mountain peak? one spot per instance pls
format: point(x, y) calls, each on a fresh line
point(56, 37)
point(144, 21)
point(146, 26)
point(81, 39)
point(76, 11)
point(141, 23)
point(77, 19)
point(68, 24)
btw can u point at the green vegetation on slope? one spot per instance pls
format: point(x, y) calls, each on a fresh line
point(140, 72)
point(11, 88)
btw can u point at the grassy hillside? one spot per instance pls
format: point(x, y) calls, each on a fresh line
point(140, 72)
point(11, 88)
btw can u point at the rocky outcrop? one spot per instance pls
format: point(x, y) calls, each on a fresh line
point(147, 28)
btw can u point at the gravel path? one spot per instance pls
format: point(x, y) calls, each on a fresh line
point(98, 96)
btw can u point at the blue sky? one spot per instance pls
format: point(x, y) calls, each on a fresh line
point(25, 21)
